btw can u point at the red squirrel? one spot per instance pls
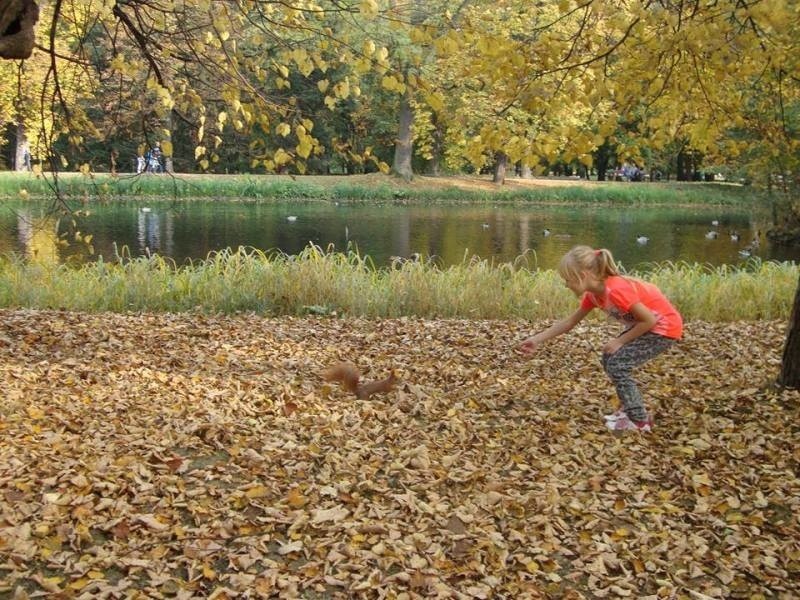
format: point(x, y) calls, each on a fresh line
point(349, 376)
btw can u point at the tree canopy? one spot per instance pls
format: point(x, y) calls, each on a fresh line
point(335, 85)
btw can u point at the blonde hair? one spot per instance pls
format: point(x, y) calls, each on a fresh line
point(583, 258)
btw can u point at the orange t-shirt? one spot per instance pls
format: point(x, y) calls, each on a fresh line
point(621, 293)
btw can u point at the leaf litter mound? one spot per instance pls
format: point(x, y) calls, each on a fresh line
point(189, 456)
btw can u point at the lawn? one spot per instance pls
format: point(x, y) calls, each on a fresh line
point(195, 456)
point(373, 187)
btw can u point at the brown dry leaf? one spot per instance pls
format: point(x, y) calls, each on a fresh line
point(121, 530)
point(152, 522)
point(456, 525)
point(336, 513)
point(169, 456)
point(176, 465)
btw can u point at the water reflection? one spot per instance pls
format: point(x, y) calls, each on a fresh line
point(150, 230)
point(190, 230)
point(38, 237)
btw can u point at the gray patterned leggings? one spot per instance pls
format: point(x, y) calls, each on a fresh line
point(619, 367)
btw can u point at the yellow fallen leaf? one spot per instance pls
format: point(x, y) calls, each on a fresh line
point(734, 516)
point(296, 499)
point(49, 584)
point(79, 584)
point(35, 413)
point(258, 491)
point(622, 532)
point(638, 566)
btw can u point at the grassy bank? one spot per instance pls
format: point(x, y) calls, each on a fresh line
point(371, 188)
point(348, 284)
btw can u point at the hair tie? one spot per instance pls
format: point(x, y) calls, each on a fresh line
point(597, 252)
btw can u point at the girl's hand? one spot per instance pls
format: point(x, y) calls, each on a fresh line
point(612, 346)
point(528, 346)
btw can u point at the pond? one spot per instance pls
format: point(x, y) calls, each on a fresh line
point(184, 230)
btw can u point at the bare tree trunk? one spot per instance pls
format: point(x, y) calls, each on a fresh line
point(433, 166)
point(501, 162)
point(436, 151)
point(526, 172)
point(21, 149)
point(790, 365)
point(602, 157)
point(403, 148)
point(404, 144)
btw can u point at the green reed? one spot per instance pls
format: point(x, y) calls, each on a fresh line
point(348, 284)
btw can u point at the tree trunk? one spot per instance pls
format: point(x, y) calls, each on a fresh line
point(680, 167)
point(21, 149)
point(436, 151)
point(602, 156)
point(403, 148)
point(433, 165)
point(525, 171)
point(501, 162)
point(790, 365)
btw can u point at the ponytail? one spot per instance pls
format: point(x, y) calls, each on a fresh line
point(604, 263)
point(583, 258)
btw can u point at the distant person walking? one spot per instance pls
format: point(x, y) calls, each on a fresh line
point(154, 161)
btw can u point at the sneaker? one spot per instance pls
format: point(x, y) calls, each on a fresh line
point(615, 416)
point(626, 424)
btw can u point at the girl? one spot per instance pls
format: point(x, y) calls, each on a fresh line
point(652, 325)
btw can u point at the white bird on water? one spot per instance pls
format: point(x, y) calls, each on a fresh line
point(291, 218)
point(711, 235)
point(642, 239)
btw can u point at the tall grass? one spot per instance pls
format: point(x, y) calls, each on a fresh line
point(263, 187)
point(155, 186)
point(350, 284)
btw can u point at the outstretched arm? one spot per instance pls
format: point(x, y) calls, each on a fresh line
point(529, 345)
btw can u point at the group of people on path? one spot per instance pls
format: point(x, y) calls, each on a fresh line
point(150, 162)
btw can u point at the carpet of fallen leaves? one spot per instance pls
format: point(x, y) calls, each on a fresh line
point(191, 456)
